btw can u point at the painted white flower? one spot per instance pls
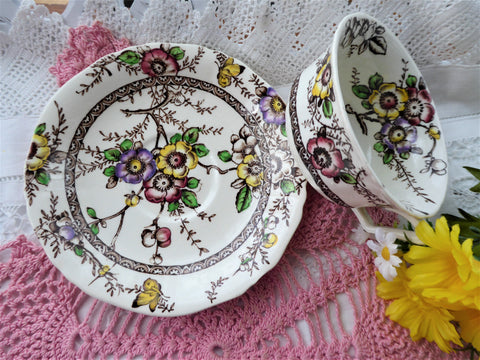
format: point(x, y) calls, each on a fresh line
point(385, 248)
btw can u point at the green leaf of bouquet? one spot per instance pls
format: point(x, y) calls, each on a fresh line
point(126, 145)
point(130, 57)
point(379, 147)
point(177, 53)
point(474, 171)
point(192, 183)
point(366, 105)
point(173, 206)
point(175, 138)
point(411, 81)
point(91, 212)
point(287, 186)
point(475, 188)
point(327, 108)
point(476, 252)
point(469, 224)
point(191, 135)
point(109, 171)
point(78, 250)
point(347, 178)
point(225, 156)
point(189, 199)
point(387, 158)
point(94, 228)
point(375, 81)
point(42, 177)
point(283, 129)
point(361, 91)
point(112, 154)
point(40, 129)
point(201, 150)
point(405, 155)
point(244, 199)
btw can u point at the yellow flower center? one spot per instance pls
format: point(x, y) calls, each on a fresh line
point(277, 105)
point(386, 253)
point(397, 134)
point(135, 166)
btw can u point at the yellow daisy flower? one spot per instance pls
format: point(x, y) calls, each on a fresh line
point(388, 100)
point(444, 271)
point(39, 152)
point(412, 311)
point(469, 321)
point(323, 81)
point(177, 159)
point(251, 170)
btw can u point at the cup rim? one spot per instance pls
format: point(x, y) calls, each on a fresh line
point(341, 108)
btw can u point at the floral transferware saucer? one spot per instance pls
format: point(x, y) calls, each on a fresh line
point(160, 179)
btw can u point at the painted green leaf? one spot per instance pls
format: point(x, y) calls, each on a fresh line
point(177, 53)
point(379, 147)
point(201, 150)
point(42, 177)
point(387, 158)
point(175, 138)
point(244, 199)
point(130, 57)
point(126, 145)
point(405, 155)
point(361, 91)
point(327, 108)
point(287, 186)
point(112, 154)
point(189, 199)
point(225, 156)
point(192, 183)
point(78, 250)
point(366, 104)
point(347, 178)
point(375, 81)
point(411, 81)
point(91, 212)
point(283, 129)
point(94, 228)
point(109, 171)
point(173, 206)
point(191, 135)
point(40, 129)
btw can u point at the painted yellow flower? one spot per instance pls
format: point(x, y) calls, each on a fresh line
point(412, 311)
point(388, 100)
point(444, 271)
point(149, 296)
point(270, 240)
point(251, 170)
point(177, 159)
point(469, 321)
point(39, 152)
point(323, 81)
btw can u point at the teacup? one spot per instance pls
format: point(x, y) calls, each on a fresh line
point(365, 128)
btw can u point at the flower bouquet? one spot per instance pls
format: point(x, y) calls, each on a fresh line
point(434, 288)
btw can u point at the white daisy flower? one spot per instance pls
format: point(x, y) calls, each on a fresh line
point(385, 249)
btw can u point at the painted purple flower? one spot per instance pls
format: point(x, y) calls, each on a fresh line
point(273, 108)
point(418, 107)
point(325, 157)
point(399, 135)
point(158, 62)
point(135, 166)
point(66, 232)
point(163, 187)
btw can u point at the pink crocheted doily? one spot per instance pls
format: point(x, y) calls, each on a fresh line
point(319, 302)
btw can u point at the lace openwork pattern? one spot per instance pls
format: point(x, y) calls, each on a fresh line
point(319, 302)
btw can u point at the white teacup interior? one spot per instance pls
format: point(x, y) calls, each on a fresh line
point(392, 115)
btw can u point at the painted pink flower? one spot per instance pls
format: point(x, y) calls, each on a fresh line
point(86, 44)
point(160, 236)
point(418, 107)
point(158, 62)
point(325, 157)
point(163, 187)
